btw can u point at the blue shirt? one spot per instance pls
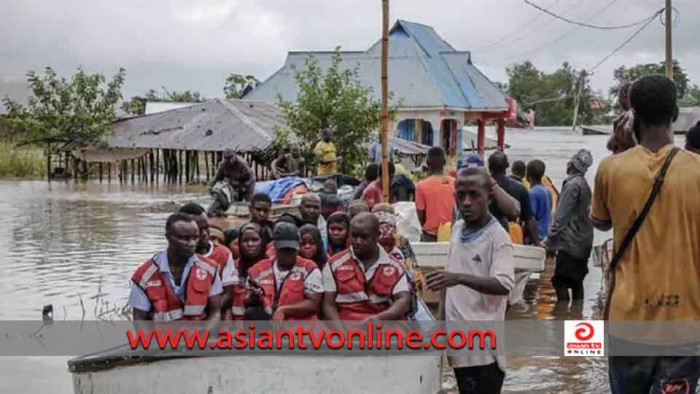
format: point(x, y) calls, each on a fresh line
point(138, 298)
point(541, 204)
point(375, 153)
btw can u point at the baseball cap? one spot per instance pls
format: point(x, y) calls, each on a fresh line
point(470, 160)
point(286, 236)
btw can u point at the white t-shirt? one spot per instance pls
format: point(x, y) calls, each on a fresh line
point(487, 253)
point(384, 259)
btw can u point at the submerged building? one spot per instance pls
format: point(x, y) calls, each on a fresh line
point(437, 86)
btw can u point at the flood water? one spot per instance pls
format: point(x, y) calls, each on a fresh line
point(76, 245)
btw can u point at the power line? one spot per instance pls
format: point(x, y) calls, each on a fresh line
point(627, 41)
point(568, 33)
point(582, 23)
point(515, 30)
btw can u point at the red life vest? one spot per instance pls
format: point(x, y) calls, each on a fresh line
point(218, 255)
point(238, 307)
point(165, 305)
point(291, 289)
point(355, 298)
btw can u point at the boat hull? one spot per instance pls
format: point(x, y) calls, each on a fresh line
point(270, 374)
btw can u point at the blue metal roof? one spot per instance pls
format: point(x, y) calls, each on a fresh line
point(424, 72)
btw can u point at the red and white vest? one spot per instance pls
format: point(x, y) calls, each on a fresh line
point(238, 307)
point(218, 255)
point(355, 298)
point(291, 289)
point(165, 305)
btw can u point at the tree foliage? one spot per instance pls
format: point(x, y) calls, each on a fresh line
point(624, 74)
point(237, 84)
point(337, 99)
point(81, 109)
point(553, 95)
point(137, 104)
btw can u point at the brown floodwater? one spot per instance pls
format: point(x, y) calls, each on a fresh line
point(75, 246)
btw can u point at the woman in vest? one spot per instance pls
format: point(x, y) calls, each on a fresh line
point(289, 287)
point(252, 251)
point(311, 245)
point(338, 237)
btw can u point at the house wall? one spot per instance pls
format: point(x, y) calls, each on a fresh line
point(435, 118)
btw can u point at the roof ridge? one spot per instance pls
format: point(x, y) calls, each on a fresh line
point(244, 118)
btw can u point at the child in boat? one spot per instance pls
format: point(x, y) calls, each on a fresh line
point(478, 278)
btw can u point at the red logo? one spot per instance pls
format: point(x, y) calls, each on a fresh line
point(585, 332)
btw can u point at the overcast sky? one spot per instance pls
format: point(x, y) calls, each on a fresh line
point(185, 44)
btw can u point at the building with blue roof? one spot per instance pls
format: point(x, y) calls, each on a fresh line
point(438, 86)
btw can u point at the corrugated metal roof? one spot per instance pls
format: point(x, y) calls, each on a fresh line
point(216, 125)
point(424, 72)
point(408, 148)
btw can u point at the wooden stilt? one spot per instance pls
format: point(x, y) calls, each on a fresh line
point(196, 164)
point(100, 165)
point(180, 166)
point(157, 163)
point(133, 170)
point(206, 165)
point(151, 166)
point(109, 172)
point(188, 162)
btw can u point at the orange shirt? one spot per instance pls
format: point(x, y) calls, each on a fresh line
point(436, 196)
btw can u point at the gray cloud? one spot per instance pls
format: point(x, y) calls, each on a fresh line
point(194, 45)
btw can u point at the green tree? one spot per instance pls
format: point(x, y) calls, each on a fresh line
point(135, 106)
point(81, 109)
point(623, 74)
point(335, 98)
point(553, 95)
point(236, 84)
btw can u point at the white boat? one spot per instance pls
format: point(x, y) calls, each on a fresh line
point(114, 372)
point(527, 259)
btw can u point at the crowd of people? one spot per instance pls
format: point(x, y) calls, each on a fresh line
point(337, 262)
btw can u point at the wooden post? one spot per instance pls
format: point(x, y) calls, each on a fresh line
point(100, 165)
point(196, 163)
point(188, 160)
point(385, 101)
point(157, 163)
point(109, 172)
point(152, 165)
point(180, 167)
point(206, 165)
point(133, 170)
point(669, 40)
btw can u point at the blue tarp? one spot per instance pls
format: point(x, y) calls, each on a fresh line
point(277, 189)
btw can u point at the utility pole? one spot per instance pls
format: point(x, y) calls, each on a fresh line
point(577, 98)
point(385, 102)
point(669, 40)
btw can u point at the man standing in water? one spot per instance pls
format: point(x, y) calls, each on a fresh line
point(571, 235)
point(478, 278)
point(238, 174)
point(498, 164)
point(658, 275)
point(175, 284)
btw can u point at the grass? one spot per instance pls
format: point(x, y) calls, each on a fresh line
point(21, 162)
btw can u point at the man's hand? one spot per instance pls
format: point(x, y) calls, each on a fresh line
point(252, 295)
point(279, 314)
point(368, 319)
point(439, 280)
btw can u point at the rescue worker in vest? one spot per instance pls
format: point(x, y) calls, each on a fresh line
point(364, 283)
point(175, 284)
point(206, 249)
point(289, 287)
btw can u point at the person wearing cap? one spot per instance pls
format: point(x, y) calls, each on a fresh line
point(238, 174)
point(289, 286)
point(571, 234)
point(364, 283)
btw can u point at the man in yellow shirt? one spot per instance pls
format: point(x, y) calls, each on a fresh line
point(325, 155)
point(658, 276)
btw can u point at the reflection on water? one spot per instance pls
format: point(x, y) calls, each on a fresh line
point(72, 242)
